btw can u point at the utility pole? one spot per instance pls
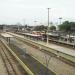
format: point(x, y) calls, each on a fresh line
point(35, 23)
point(24, 24)
point(60, 18)
point(18, 26)
point(48, 26)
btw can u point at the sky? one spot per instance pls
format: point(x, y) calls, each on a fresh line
point(29, 11)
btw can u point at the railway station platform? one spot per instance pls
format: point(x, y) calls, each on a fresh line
point(53, 46)
point(55, 64)
point(59, 48)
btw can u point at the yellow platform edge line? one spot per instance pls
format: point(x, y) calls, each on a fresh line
point(17, 58)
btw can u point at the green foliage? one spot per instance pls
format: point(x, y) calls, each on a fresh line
point(67, 26)
point(40, 28)
point(52, 28)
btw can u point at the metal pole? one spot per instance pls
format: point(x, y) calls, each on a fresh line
point(60, 20)
point(24, 25)
point(35, 23)
point(48, 26)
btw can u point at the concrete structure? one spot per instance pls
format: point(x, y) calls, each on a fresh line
point(6, 36)
point(54, 63)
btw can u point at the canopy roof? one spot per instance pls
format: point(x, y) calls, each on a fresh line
point(6, 35)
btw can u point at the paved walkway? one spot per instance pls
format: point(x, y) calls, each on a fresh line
point(59, 48)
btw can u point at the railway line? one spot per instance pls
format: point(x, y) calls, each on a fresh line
point(58, 42)
point(36, 67)
point(9, 61)
point(10, 70)
point(67, 54)
point(49, 53)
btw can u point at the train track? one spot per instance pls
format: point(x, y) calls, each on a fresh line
point(9, 61)
point(27, 60)
point(60, 43)
point(49, 53)
point(36, 67)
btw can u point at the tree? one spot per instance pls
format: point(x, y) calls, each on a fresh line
point(52, 28)
point(72, 26)
point(40, 28)
point(67, 27)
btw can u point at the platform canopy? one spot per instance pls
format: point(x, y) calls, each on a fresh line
point(6, 35)
point(34, 35)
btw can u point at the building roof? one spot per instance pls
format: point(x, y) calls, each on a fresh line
point(34, 35)
point(52, 34)
point(6, 35)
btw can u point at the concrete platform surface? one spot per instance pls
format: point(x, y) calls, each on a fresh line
point(53, 46)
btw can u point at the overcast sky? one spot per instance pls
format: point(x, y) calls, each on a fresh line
point(27, 11)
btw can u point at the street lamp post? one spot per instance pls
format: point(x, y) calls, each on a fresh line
point(24, 24)
point(48, 26)
point(60, 18)
point(18, 26)
point(35, 23)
